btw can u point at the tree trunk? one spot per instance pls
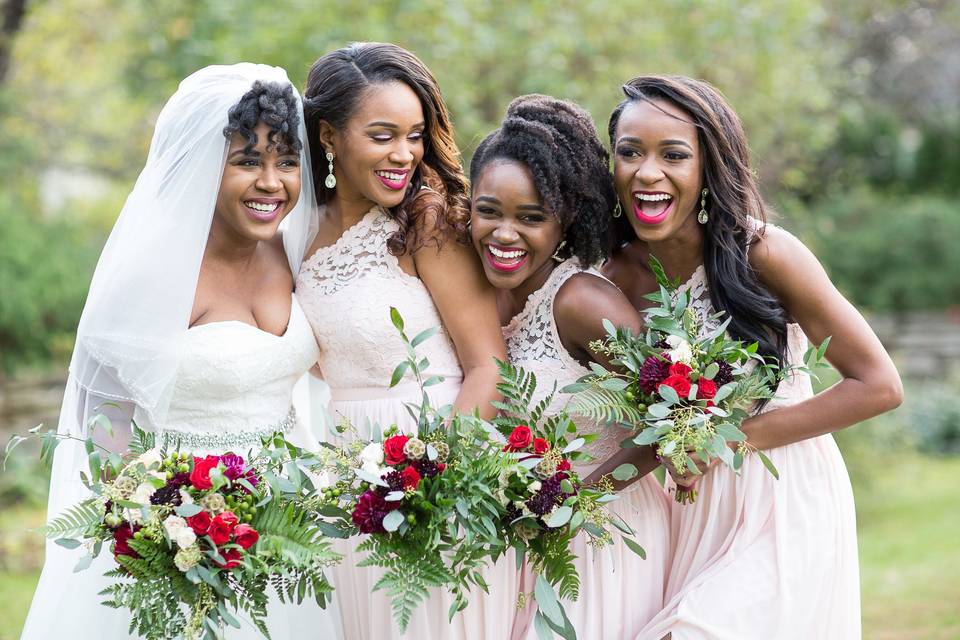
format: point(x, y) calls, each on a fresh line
point(13, 12)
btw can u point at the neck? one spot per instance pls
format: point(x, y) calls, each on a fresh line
point(516, 298)
point(682, 253)
point(347, 209)
point(226, 246)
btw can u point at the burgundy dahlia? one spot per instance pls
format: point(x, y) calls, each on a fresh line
point(653, 371)
point(725, 374)
point(369, 513)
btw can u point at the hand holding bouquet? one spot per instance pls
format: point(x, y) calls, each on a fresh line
point(684, 384)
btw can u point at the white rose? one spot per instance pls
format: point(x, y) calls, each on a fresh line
point(185, 538)
point(150, 458)
point(534, 486)
point(372, 454)
point(680, 350)
point(173, 525)
point(374, 469)
point(143, 493)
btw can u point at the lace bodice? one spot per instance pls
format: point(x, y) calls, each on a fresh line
point(347, 289)
point(235, 383)
point(533, 343)
point(793, 389)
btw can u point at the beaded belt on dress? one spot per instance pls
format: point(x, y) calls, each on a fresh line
point(187, 440)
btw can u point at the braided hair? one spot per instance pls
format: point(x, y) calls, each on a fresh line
point(275, 105)
point(735, 206)
point(557, 141)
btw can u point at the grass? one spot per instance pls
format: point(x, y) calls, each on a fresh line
point(908, 516)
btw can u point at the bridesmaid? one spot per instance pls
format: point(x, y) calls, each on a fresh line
point(392, 232)
point(542, 204)
point(755, 557)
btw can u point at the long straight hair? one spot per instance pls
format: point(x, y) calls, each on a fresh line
point(736, 209)
point(336, 84)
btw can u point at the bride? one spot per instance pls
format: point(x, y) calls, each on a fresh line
point(190, 324)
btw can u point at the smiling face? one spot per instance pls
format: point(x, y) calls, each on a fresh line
point(258, 189)
point(657, 169)
point(511, 230)
point(380, 147)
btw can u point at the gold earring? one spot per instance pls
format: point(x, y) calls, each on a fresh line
point(331, 180)
point(556, 254)
point(703, 216)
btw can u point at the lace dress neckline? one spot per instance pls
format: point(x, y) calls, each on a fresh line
point(366, 220)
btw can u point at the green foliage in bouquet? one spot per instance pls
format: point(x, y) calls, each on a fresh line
point(197, 538)
point(424, 500)
point(684, 385)
point(545, 502)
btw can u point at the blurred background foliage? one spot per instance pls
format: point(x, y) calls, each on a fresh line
point(853, 115)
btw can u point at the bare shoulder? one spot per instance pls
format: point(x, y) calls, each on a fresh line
point(784, 264)
point(275, 258)
point(584, 290)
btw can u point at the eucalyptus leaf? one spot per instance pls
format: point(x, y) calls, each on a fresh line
point(669, 394)
point(559, 517)
point(768, 463)
point(393, 520)
point(636, 548)
point(625, 472)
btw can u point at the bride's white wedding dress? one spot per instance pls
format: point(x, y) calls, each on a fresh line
point(234, 384)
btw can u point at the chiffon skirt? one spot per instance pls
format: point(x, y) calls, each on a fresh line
point(620, 592)
point(757, 557)
point(365, 613)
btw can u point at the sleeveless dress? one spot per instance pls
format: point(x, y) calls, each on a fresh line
point(619, 591)
point(758, 557)
point(233, 384)
point(346, 290)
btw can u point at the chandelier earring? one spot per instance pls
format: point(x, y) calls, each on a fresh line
point(703, 216)
point(331, 180)
point(556, 254)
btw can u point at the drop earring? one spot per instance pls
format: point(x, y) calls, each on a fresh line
point(703, 216)
point(617, 211)
point(556, 254)
point(331, 180)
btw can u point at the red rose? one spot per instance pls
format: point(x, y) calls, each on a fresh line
point(200, 523)
point(520, 438)
point(563, 465)
point(245, 536)
point(679, 384)
point(680, 369)
point(411, 478)
point(540, 446)
point(121, 540)
point(706, 389)
point(393, 449)
point(222, 526)
point(200, 476)
point(231, 558)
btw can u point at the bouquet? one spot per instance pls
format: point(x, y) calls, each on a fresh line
point(425, 500)
point(197, 538)
point(545, 502)
point(682, 386)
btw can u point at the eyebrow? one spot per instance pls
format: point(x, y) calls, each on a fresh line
point(531, 207)
point(243, 152)
point(663, 143)
point(391, 125)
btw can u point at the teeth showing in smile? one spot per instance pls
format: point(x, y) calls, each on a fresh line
point(262, 206)
point(652, 197)
point(507, 255)
point(391, 176)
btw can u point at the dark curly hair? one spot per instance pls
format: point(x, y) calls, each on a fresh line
point(734, 205)
point(557, 141)
point(336, 84)
point(275, 105)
